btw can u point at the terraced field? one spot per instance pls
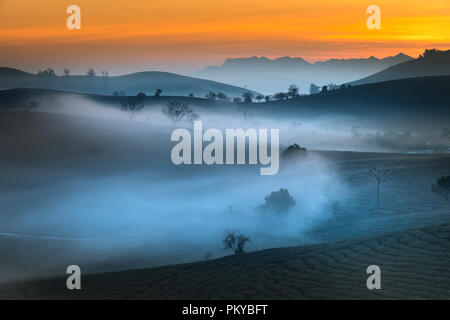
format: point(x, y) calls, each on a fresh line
point(414, 265)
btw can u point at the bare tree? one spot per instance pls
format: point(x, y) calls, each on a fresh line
point(176, 110)
point(235, 241)
point(379, 174)
point(134, 104)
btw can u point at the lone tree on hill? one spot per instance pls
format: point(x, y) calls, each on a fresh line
point(158, 92)
point(235, 241)
point(293, 151)
point(279, 201)
point(379, 174)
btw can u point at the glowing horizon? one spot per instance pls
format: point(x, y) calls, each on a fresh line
point(181, 36)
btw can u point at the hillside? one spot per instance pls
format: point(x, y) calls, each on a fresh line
point(131, 84)
point(23, 98)
point(272, 75)
point(414, 95)
point(431, 63)
point(414, 265)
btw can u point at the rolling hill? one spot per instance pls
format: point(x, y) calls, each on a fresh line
point(414, 265)
point(131, 84)
point(425, 95)
point(431, 63)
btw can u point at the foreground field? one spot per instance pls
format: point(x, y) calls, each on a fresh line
point(414, 265)
point(101, 192)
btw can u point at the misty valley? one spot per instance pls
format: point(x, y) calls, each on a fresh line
point(348, 177)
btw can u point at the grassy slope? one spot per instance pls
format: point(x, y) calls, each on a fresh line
point(433, 65)
point(131, 84)
point(426, 96)
point(414, 265)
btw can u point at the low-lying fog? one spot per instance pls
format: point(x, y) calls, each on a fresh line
point(91, 185)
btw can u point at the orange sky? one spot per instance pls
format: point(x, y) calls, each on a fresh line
point(182, 35)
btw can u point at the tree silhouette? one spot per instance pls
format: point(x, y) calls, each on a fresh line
point(49, 72)
point(379, 175)
point(279, 201)
point(158, 92)
point(259, 97)
point(134, 104)
point(235, 241)
point(212, 96)
point(222, 96)
point(280, 96)
point(237, 100)
point(324, 89)
point(293, 91)
point(176, 110)
point(247, 96)
point(267, 98)
point(91, 73)
point(66, 72)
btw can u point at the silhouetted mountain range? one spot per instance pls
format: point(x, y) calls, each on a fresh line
point(266, 75)
point(131, 84)
point(431, 63)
